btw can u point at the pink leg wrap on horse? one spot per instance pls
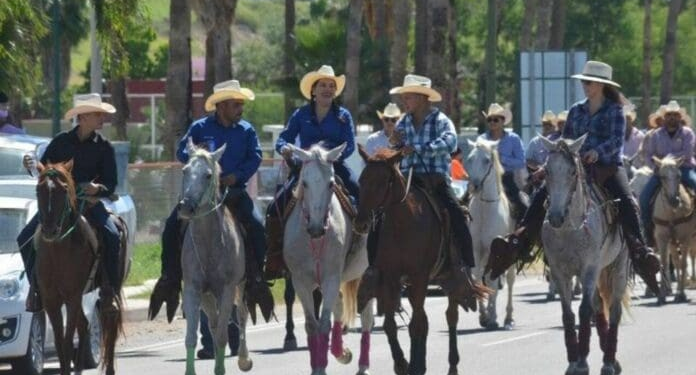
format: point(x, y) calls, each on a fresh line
point(337, 339)
point(584, 337)
point(313, 343)
point(323, 350)
point(602, 328)
point(364, 350)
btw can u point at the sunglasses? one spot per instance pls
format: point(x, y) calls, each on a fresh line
point(586, 82)
point(390, 119)
point(494, 119)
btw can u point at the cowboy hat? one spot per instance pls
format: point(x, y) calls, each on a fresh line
point(596, 71)
point(652, 119)
point(674, 107)
point(225, 91)
point(629, 111)
point(88, 103)
point(418, 85)
point(562, 116)
point(548, 116)
point(325, 72)
point(496, 109)
point(391, 110)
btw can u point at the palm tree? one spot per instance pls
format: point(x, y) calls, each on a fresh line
point(399, 51)
point(217, 16)
point(422, 26)
point(353, 42)
point(670, 51)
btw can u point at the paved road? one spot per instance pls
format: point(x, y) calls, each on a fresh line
point(652, 340)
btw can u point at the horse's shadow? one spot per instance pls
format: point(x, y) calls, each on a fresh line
point(472, 331)
point(136, 354)
point(276, 351)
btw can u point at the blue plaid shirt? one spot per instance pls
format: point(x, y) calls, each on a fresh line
point(605, 130)
point(434, 141)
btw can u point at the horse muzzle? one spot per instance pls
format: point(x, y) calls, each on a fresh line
point(674, 202)
point(316, 231)
point(49, 234)
point(186, 209)
point(556, 219)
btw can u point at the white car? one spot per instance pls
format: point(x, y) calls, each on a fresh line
point(26, 337)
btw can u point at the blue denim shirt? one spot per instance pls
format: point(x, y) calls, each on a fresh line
point(335, 129)
point(605, 129)
point(510, 150)
point(242, 155)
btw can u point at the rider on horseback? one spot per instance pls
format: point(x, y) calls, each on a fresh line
point(601, 117)
point(675, 138)
point(94, 170)
point(320, 121)
point(427, 138)
point(240, 161)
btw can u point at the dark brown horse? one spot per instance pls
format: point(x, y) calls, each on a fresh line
point(67, 250)
point(409, 242)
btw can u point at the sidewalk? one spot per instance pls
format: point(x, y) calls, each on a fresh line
point(136, 308)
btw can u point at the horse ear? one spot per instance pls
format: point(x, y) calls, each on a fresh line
point(217, 154)
point(548, 144)
point(657, 161)
point(190, 147)
point(575, 146)
point(335, 153)
point(470, 142)
point(363, 154)
point(302, 154)
point(69, 165)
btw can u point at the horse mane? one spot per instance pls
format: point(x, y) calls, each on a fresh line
point(669, 161)
point(487, 146)
point(60, 170)
point(383, 154)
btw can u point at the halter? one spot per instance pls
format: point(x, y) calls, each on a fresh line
point(53, 173)
point(568, 155)
point(210, 197)
point(485, 176)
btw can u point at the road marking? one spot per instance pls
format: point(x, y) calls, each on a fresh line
point(513, 339)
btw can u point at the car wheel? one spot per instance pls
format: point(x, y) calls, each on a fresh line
point(33, 361)
point(93, 355)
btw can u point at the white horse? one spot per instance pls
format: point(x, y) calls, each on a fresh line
point(674, 220)
point(578, 240)
point(490, 218)
point(212, 259)
point(320, 254)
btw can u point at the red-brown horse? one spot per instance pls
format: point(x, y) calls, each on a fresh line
point(67, 249)
point(409, 242)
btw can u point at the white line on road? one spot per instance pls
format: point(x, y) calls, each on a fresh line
point(513, 339)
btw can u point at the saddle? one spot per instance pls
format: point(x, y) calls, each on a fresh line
point(97, 275)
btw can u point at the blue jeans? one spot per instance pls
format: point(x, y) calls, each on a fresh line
point(232, 333)
point(688, 178)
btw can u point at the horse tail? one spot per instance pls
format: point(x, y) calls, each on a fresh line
point(112, 328)
point(349, 292)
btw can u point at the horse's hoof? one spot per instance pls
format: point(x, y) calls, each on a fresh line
point(245, 364)
point(509, 324)
point(608, 369)
point(661, 300)
point(571, 369)
point(319, 372)
point(617, 367)
point(401, 367)
point(345, 358)
point(492, 326)
point(290, 344)
point(550, 297)
point(582, 368)
point(680, 298)
point(363, 371)
point(453, 371)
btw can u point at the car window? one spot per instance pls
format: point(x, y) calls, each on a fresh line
point(11, 223)
point(11, 162)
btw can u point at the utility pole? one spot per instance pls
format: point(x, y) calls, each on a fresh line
point(56, 66)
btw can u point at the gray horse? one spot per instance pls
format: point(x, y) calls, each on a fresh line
point(212, 259)
point(579, 241)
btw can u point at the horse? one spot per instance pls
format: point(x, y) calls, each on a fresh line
point(212, 259)
point(67, 262)
point(409, 246)
point(579, 240)
point(322, 253)
point(490, 213)
point(674, 220)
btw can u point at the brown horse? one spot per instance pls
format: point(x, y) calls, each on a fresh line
point(409, 242)
point(67, 252)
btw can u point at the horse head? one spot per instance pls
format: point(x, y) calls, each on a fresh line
point(199, 185)
point(316, 185)
point(670, 177)
point(381, 185)
point(482, 160)
point(57, 199)
point(563, 176)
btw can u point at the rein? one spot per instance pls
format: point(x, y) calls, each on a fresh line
point(52, 173)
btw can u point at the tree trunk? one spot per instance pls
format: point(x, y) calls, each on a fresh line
point(422, 25)
point(489, 59)
point(119, 99)
point(558, 24)
point(350, 94)
point(437, 51)
point(543, 24)
point(178, 88)
point(382, 42)
point(530, 11)
point(209, 64)
point(670, 51)
point(288, 60)
point(645, 106)
point(399, 49)
point(222, 38)
point(47, 63)
point(455, 112)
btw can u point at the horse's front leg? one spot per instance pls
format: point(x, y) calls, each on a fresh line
point(243, 361)
point(488, 316)
point(367, 321)
point(343, 355)
point(330, 289)
point(56, 317)
point(222, 316)
point(418, 328)
point(305, 292)
point(83, 344)
point(73, 307)
point(509, 320)
point(452, 318)
point(391, 303)
point(290, 342)
point(192, 305)
point(564, 285)
point(662, 242)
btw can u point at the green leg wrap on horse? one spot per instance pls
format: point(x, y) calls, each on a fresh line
point(190, 356)
point(220, 361)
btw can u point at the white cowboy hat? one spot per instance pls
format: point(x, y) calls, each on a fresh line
point(630, 111)
point(391, 110)
point(418, 85)
point(496, 109)
point(596, 71)
point(88, 103)
point(225, 91)
point(324, 72)
point(674, 107)
point(562, 116)
point(549, 116)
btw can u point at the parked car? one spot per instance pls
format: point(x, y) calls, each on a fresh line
point(26, 338)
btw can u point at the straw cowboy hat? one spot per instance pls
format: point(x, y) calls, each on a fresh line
point(391, 110)
point(674, 107)
point(325, 72)
point(562, 116)
point(652, 119)
point(225, 91)
point(549, 116)
point(88, 103)
point(496, 109)
point(418, 85)
point(596, 71)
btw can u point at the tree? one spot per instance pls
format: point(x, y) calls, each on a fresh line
point(422, 25)
point(669, 52)
point(558, 24)
point(543, 24)
point(178, 89)
point(489, 74)
point(353, 44)
point(399, 49)
point(217, 16)
point(289, 52)
point(647, 61)
point(530, 11)
point(455, 111)
point(437, 51)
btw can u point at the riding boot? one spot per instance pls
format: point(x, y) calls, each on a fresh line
point(645, 262)
point(257, 289)
point(517, 246)
point(168, 287)
point(275, 265)
point(33, 303)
